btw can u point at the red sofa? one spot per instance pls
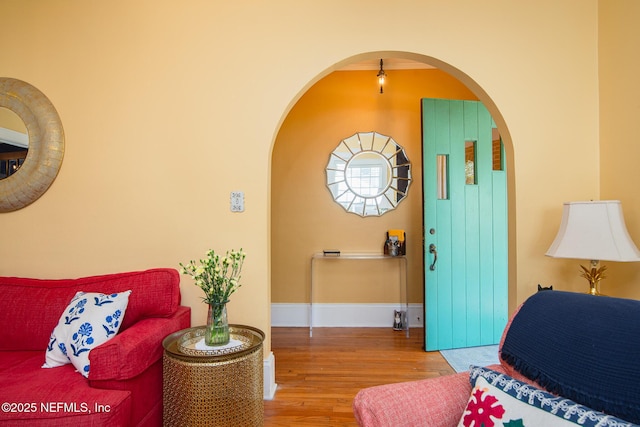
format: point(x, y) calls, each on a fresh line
point(124, 385)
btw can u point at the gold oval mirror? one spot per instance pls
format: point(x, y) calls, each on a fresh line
point(31, 176)
point(368, 174)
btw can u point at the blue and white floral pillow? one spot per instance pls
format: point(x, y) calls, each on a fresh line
point(89, 320)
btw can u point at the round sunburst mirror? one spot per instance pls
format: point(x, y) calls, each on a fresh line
point(368, 174)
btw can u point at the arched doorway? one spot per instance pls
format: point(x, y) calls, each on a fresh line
point(304, 219)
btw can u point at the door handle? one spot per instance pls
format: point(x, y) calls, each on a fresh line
point(432, 250)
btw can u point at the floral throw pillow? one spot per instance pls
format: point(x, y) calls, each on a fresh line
point(499, 400)
point(89, 320)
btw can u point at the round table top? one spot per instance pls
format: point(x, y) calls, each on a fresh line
point(188, 344)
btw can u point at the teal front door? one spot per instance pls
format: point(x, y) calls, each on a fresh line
point(465, 225)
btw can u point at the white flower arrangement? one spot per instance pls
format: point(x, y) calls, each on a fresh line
point(218, 276)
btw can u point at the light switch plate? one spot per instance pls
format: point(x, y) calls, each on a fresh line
point(237, 201)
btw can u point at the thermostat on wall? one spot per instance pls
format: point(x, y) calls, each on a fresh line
point(237, 201)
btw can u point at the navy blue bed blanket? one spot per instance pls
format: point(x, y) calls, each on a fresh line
point(583, 347)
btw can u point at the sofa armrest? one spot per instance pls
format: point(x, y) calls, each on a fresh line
point(132, 351)
point(434, 402)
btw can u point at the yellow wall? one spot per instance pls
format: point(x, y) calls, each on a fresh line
point(619, 38)
point(304, 217)
point(169, 106)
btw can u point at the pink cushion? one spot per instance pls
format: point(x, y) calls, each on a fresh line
point(432, 402)
point(33, 306)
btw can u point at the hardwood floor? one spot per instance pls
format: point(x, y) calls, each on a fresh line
point(318, 377)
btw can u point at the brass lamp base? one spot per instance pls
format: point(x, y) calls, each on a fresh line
point(594, 291)
point(593, 276)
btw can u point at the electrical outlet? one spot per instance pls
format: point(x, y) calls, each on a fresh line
point(237, 201)
point(416, 321)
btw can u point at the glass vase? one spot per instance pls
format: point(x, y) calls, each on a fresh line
point(217, 325)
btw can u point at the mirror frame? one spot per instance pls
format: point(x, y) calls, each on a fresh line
point(46, 144)
point(368, 142)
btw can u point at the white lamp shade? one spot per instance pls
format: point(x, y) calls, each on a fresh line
point(594, 231)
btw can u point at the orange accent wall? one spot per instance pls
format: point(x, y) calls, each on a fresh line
point(304, 217)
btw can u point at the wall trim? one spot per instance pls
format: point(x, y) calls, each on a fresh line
point(347, 315)
point(269, 377)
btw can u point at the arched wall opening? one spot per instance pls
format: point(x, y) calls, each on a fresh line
point(305, 220)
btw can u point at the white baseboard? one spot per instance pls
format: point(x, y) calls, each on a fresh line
point(346, 315)
point(269, 369)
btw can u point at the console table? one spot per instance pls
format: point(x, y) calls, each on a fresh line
point(366, 257)
point(213, 386)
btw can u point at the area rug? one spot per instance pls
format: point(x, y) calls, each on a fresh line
point(461, 358)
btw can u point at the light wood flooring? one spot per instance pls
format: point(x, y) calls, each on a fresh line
point(318, 377)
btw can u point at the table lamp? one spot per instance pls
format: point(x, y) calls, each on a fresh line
point(595, 231)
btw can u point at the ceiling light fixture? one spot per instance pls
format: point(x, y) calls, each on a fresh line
point(381, 76)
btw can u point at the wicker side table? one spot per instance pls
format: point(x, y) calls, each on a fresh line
point(215, 386)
